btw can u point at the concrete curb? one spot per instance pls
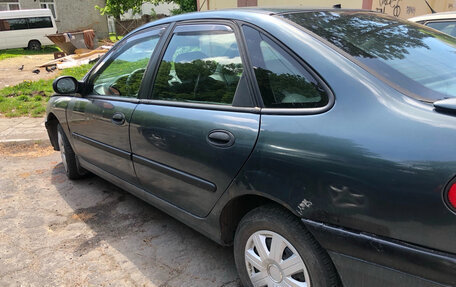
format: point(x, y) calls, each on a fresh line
point(24, 143)
point(23, 131)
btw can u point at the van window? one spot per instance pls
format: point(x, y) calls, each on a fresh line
point(40, 22)
point(25, 23)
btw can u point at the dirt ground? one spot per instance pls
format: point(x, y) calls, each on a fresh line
point(56, 232)
point(10, 74)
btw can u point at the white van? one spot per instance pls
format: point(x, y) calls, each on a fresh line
point(26, 28)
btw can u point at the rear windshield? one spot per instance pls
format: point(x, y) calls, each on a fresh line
point(411, 56)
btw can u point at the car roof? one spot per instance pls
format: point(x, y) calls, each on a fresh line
point(242, 13)
point(435, 16)
point(25, 12)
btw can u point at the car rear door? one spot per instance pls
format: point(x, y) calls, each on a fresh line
point(199, 125)
point(99, 121)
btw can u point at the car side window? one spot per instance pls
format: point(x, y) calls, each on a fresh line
point(282, 80)
point(201, 64)
point(448, 27)
point(123, 75)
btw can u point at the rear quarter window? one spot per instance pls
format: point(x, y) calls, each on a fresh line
point(283, 82)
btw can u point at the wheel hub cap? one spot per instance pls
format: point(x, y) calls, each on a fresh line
point(271, 260)
point(62, 150)
point(275, 273)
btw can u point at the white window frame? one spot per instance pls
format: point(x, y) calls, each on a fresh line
point(46, 4)
point(8, 8)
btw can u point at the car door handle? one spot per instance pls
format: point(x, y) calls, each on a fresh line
point(118, 118)
point(221, 138)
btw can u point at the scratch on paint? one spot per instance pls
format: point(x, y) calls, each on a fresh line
point(303, 205)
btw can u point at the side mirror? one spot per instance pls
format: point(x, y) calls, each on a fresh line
point(66, 85)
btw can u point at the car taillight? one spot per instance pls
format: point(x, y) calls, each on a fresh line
point(451, 196)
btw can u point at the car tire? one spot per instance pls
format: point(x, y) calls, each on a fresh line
point(34, 45)
point(69, 160)
point(302, 262)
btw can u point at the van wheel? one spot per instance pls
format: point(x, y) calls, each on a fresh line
point(69, 160)
point(273, 248)
point(34, 45)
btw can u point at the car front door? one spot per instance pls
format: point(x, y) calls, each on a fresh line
point(99, 121)
point(193, 135)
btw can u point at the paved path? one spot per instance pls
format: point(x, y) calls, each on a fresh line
point(22, 130)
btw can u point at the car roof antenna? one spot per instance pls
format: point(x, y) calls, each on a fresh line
point(432, 10)
point(337, 6)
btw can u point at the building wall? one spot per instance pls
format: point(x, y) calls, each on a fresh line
point(224, 4)
point(412, 8)
point(400, 8)
point(73, 15)
point(29, 4)
point(81, 14)
point(351, 4)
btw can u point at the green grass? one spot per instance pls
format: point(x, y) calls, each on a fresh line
point(11, 53)
point(29, 98)
point(113, 37)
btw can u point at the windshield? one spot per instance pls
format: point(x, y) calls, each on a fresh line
point(411, 56)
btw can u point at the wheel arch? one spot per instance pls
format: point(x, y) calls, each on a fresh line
point(34, 40)
point(235, 209)
point(51, 126)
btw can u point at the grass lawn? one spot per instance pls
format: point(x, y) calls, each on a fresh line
point(29, 98)
point(11, 53)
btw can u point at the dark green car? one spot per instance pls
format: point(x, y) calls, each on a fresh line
point(321, 143)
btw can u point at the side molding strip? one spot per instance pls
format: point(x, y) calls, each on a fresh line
point(102, 146)
point(186, 177)
point(421, 262)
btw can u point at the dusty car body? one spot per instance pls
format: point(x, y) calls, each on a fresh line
point(364, 164)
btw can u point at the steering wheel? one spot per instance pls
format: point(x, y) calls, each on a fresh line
point(134, 81)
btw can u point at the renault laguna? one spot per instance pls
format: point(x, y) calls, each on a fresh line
point(320, 143)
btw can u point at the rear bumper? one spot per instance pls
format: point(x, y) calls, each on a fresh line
point(380, 261)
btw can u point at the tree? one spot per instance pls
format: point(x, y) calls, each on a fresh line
point(185, 6)
point(116, 8)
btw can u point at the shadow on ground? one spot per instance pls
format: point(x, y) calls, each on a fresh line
point(165, 251)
